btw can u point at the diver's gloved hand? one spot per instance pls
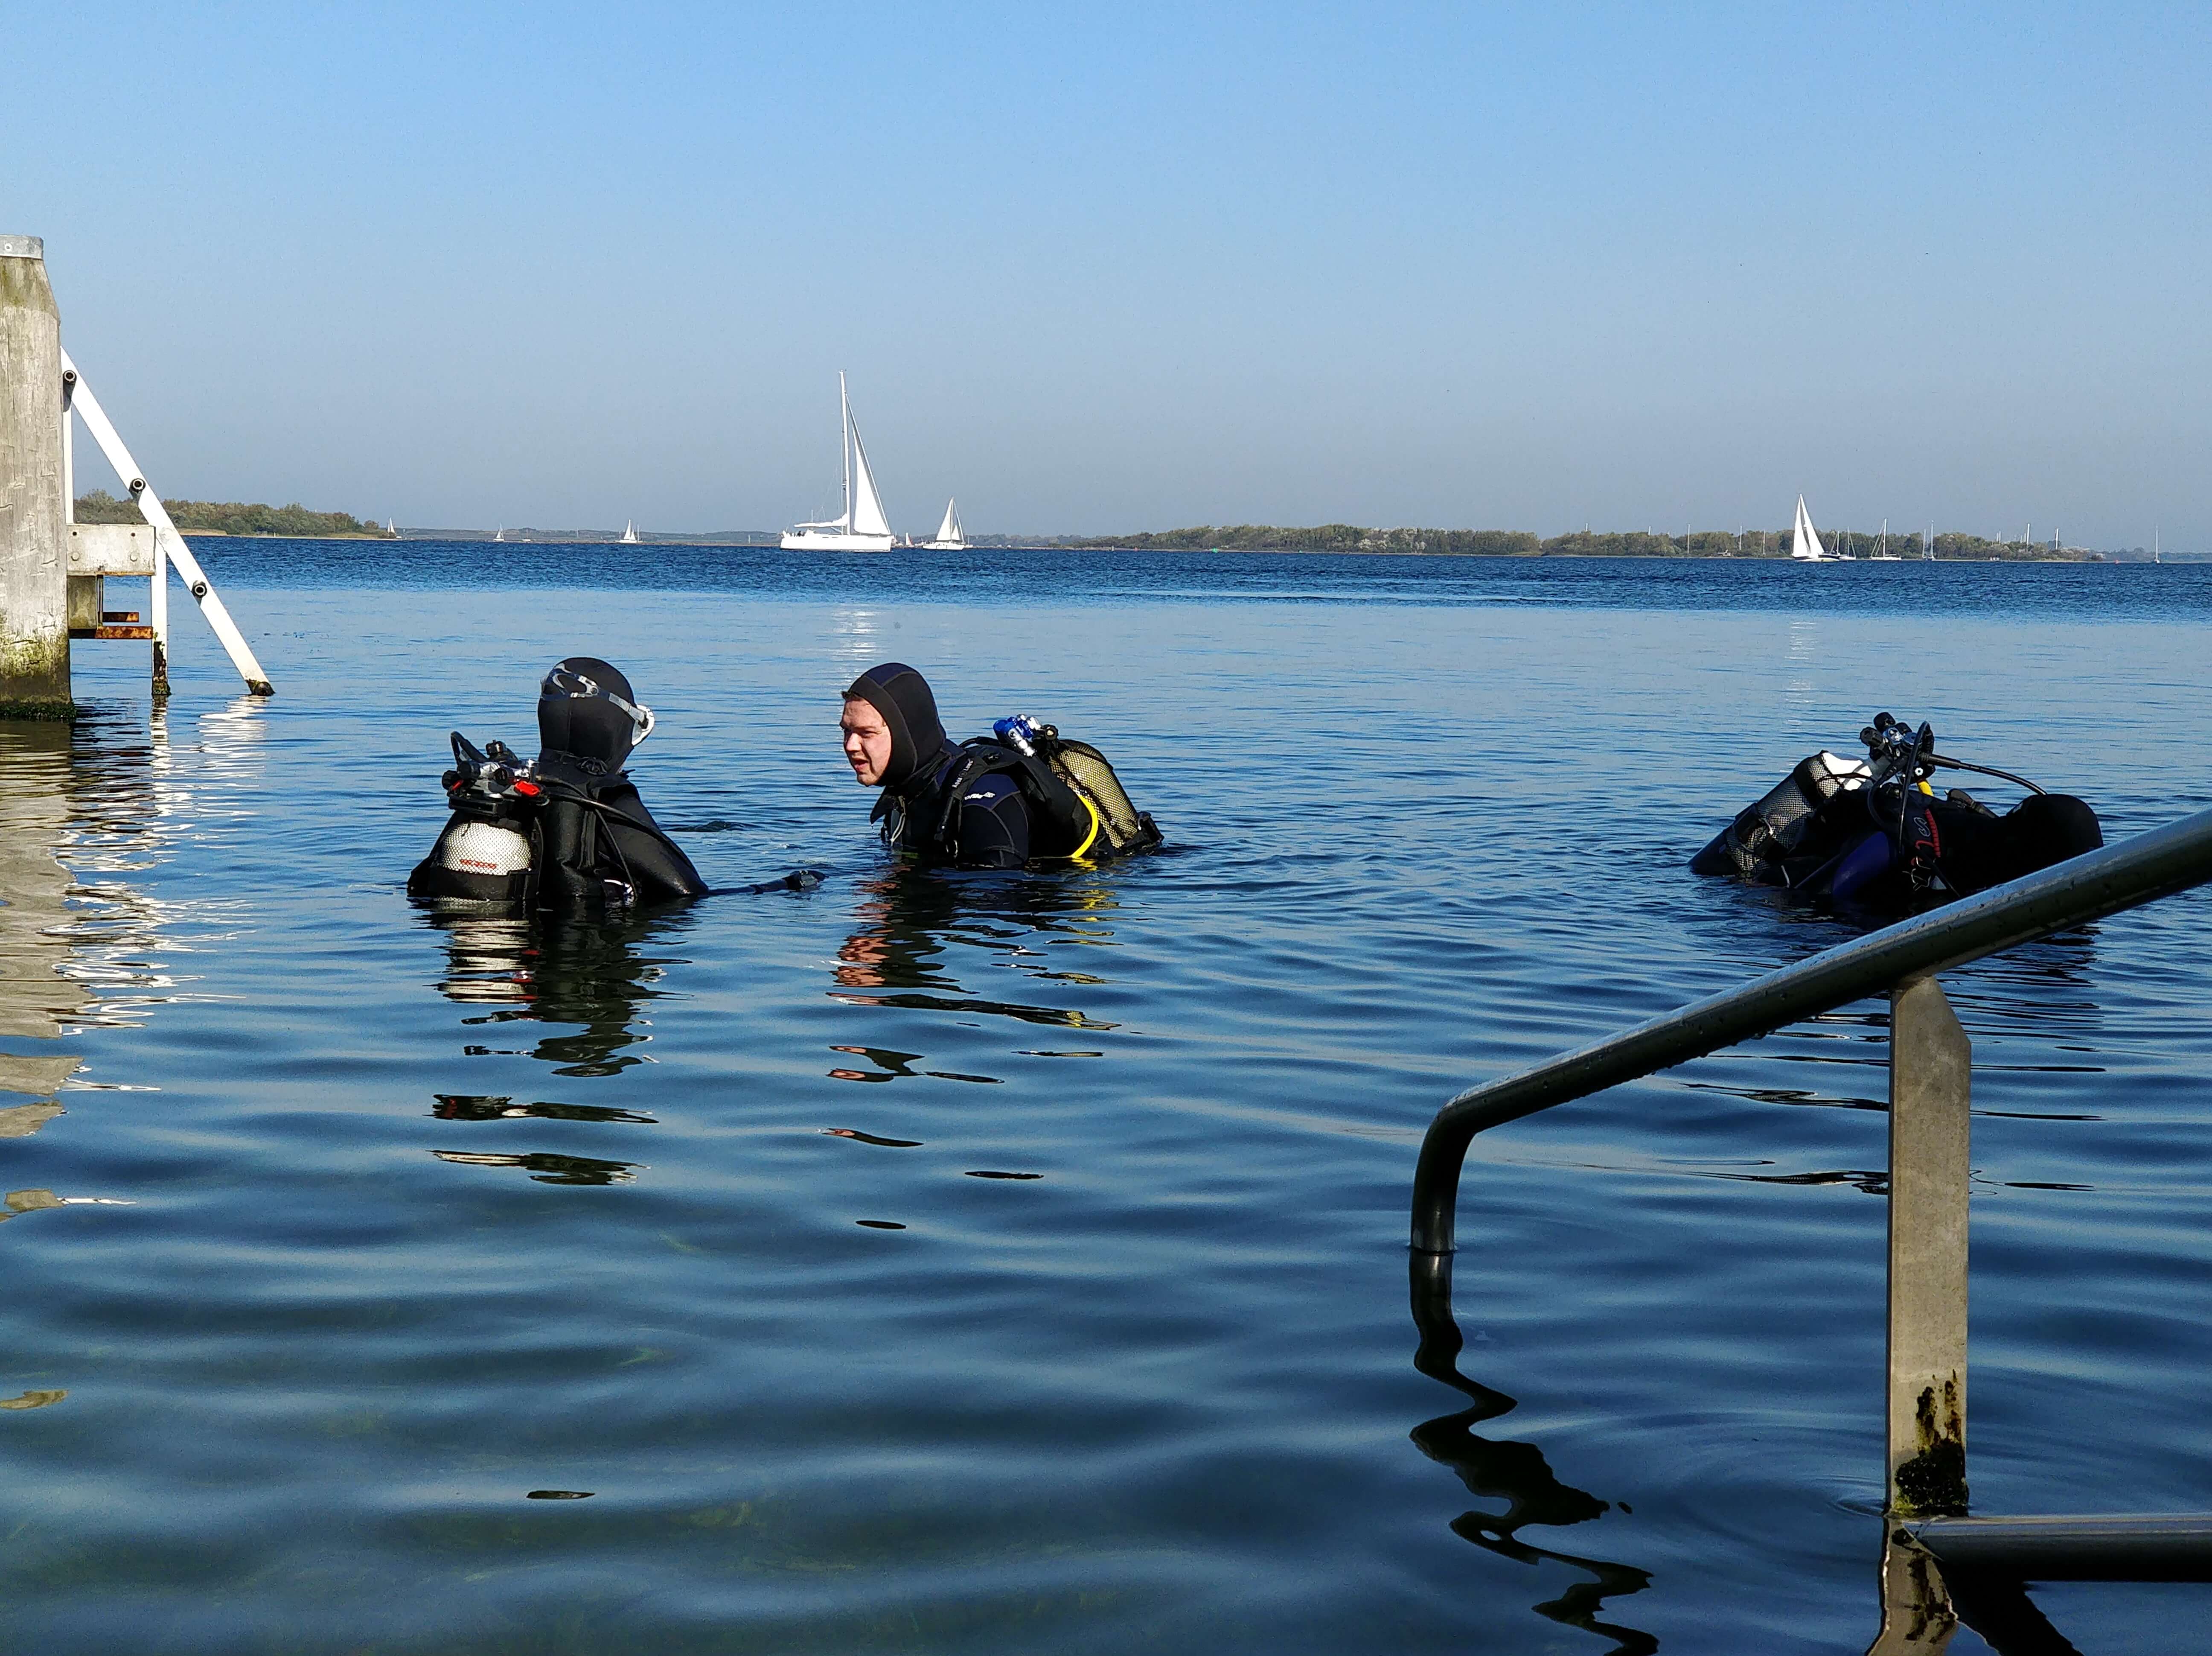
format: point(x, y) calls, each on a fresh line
point(798, 879)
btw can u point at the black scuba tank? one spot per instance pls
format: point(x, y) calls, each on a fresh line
point(1785, 825)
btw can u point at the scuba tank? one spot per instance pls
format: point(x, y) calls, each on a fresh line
point(1115, 825)
point(1767, 835)
point(1874, 832)
point(487, 853)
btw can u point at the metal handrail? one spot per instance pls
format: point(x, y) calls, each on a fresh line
point(2139, 870)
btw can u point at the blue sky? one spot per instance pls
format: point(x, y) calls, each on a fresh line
point(1106, 268)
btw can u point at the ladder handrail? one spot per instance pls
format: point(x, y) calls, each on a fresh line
point(2102, 882)
point(168, 545)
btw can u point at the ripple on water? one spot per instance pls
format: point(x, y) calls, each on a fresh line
point(951, 1263)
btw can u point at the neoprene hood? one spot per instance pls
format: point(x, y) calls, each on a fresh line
point(575, 716)
point(903, 697)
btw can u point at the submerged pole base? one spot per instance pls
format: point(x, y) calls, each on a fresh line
point(37, 709)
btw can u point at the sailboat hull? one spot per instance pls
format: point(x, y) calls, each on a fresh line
point(801, 541)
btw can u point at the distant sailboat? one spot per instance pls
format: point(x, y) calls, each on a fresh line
point(1882, 554)
point(501, 535)
point(1928, 553)
point(951, 537)
point(1805, 541)
point(390, 528)
point(630, 535)
point(862, 527)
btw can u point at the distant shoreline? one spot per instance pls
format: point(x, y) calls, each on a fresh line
point(1963, 549)
point(2068, 556)
point(555, 539)
point(270, 534)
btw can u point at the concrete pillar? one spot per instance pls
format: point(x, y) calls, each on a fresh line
point(34, 642)
point(1931, 1063)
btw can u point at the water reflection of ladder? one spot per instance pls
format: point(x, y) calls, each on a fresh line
point(97, 550)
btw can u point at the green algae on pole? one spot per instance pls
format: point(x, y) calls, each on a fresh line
point(34, 641)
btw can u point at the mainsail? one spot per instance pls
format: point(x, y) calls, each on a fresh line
point(867, 506)
point(1804, 539)
point(949, 532)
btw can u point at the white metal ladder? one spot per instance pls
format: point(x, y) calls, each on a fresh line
point(168, 545)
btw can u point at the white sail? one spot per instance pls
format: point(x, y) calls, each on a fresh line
point(951, 537)
point(862, 527)
point(630, 535)
point(1804, 538)
point(867, 507)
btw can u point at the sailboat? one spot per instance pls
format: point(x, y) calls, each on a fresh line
point(862, 527)
point(1928, 552)
point(951, 537)
point(1805, 541)
point(1882, 554)
point(501, 535)
point(629, 533)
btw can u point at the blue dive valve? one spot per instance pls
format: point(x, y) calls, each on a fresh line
point(1019, 733)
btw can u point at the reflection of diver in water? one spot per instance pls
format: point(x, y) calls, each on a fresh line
point(1515, 1473)
point(910, 917)
point(590, 973)
point(561, 970)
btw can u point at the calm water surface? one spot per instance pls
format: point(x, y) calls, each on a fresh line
point(986, 1263)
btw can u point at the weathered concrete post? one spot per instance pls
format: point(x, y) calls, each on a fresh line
point(1930, 1067)
point(35, 640)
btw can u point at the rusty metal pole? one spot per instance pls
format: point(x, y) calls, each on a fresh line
point(1931, 1062)
point(35, 640)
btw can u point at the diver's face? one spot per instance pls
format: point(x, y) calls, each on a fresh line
point(867, 743)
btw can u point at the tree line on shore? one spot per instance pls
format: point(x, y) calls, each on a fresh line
point(229, 517)
point(1519, 543)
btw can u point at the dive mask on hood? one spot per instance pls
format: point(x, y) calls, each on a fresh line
point(587, 708)
point(903, 697)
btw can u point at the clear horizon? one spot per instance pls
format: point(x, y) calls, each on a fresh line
point(1138, 269)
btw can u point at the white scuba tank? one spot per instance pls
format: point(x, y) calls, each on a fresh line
point(484, 848)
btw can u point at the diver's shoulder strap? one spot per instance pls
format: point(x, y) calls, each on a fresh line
point(973, 760)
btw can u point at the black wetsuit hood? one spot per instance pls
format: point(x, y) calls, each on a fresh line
point(902, 695)
point(578, 725)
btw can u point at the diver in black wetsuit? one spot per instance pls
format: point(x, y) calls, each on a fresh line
point(569, 829)
point(589, 721)
point(999, 802)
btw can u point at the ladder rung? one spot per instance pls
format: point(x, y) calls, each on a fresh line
point(116, 632)
point(130, 615)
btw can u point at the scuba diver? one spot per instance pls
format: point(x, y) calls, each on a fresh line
point(567, 829)
point(1872, 831)
point(1023, 795)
